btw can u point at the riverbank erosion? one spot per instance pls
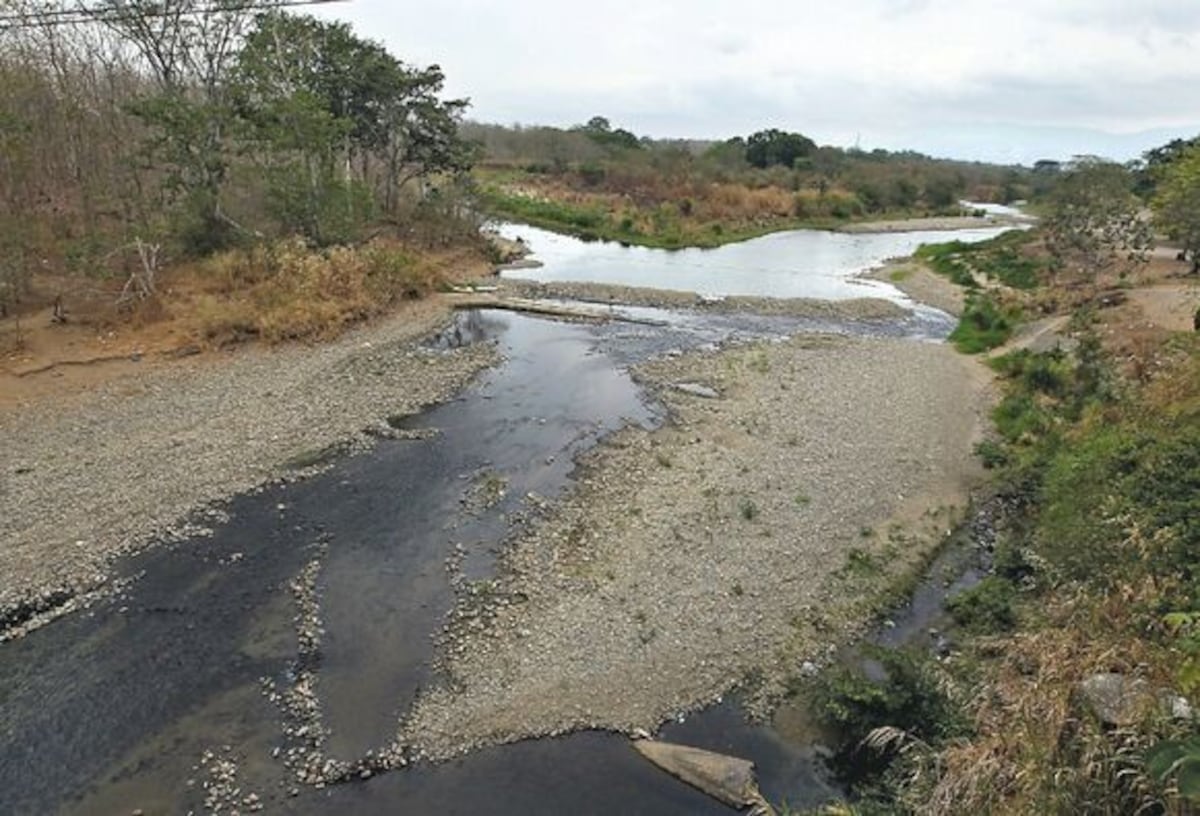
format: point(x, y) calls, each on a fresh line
point(98, 475)
point(712, 550)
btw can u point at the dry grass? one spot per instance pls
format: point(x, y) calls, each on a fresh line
point(685, 211)
point(1036, 750)
point(1175, 390)
point(287, 291)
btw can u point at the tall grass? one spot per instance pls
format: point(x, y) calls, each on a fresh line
point(1107, 485)
point(287, 291)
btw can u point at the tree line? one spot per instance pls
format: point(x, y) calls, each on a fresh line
point(868, 182)
point(197, 125)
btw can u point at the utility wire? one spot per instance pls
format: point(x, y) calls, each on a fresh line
point(106, 13)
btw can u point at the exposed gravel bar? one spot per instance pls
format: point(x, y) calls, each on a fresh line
point(943, 222)
point(84, 482)
point(710, 550)
point(853, 309)
point(921, 284)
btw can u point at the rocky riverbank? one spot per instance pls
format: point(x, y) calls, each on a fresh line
point(945, 222)
point(90, 479)
point(714, 549)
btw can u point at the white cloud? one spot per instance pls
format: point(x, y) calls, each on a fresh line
point(894, 69)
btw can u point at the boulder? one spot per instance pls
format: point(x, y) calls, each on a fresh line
point(1115, 699)
point(725, 778)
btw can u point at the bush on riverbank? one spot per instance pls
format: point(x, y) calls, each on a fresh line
point(902, 700)
point(287, 290)
point(1007, 259)
point(984, 324)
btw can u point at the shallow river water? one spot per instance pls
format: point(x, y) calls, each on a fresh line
point(110, 710)
point(797, 263)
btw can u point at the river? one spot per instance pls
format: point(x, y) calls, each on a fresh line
point(793, 264)
point(111, 709)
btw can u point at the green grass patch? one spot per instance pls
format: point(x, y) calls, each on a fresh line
point(999, 259)
point(984, 324)
point(985, 608)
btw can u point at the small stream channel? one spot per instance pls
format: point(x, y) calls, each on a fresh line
point(110, 710)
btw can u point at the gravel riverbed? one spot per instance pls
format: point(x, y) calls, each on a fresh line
point(86, 481)
point(684, 561)
point(713, 549)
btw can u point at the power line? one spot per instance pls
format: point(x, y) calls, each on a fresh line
point(107, 13)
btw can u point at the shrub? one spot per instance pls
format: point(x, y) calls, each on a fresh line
point(902, 693)
point(986, 607)
point(984, 325)
point(1123, 502)
point(992, 454)
point(288, 290)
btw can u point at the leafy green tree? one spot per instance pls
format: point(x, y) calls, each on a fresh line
point(1096, 223)
point(729, 155)
point(601, 131)
point(1177, 203)
point(943, 190)
point(776, 147)
point(1156, 162)
point(335, 118)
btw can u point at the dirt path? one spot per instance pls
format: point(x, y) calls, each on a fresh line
point(715, 548)
point(1170, 306)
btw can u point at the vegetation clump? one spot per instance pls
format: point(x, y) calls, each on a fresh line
point(874, 710)
point(986, 607)
point(984, 324)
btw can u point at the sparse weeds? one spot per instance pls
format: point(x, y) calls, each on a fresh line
point(748, 509)
point(860, 563)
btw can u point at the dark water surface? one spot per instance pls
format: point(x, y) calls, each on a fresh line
point(110, 710)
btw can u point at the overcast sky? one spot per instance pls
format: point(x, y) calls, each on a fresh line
point(998, 80)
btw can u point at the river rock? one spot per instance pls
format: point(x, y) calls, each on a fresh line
point(1175, 706)
point(725, 778)
point(696, 390)
point(1114, 698)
